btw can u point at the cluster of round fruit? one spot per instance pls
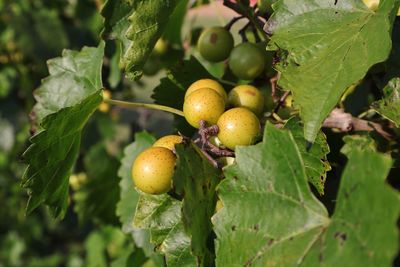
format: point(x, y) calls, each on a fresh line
point(247, 60)
point(205, 100)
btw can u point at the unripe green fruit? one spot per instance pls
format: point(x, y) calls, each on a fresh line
point(153, 169)
point(247, 96)
point(269, 58)
point(168, 141)
point(247, 61)
point(207, 83)
point(203, 104)
point(238, 127)
point(215, 44)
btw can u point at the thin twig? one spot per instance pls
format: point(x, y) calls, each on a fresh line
point(233, 21)
point(125, 104)
point(274, 85)
point(249, 13)
point(281, 101)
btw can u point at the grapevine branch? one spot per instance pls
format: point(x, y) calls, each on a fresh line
point(345, 122)
point(249, 13)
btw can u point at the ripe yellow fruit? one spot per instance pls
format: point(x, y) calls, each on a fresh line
point(105, 107)
point(207, 83)
point(247, 96)
point(238, 127)
point(168, 141)
point(203, 104)
point(153, 169)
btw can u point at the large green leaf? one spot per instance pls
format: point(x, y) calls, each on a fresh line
point(66, 100)
point(315, 160)
point(363, 228)
point(161, 214)
point(195, 178)
point(389, 106)
point(53, 153)
point(96, 200)
point(147, 24)
point(137, 25)
point(72, 78)
point(322, 60)
point(269, 208)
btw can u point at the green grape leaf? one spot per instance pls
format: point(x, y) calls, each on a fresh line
point(97, 199)
point(137, 25)
point(318, 63)
point(66, 100)
point(349, 239)
point(52, 154)
point(196, 179)
point(116, 23)
point(171, 90)
point(268, 206)
point(72, 78)
point(389, 106)
point(357, 142)
point(315, 161)
point(172, 31)
point(161, 214)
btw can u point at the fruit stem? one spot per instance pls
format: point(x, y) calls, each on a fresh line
point(125, 104)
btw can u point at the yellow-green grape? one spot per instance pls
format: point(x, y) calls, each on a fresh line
point(105, 107)
point(247, 96)
point(161, 47)
point(374, 4)
point(168, 141)
point(218, 205)
point(207, 83)
point(226, 161)
point(153, 169)
point(238, 127)
point(215, 141)
point(203, 104)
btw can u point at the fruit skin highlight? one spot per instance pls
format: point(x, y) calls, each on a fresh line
point(247, 96)
point(215, 44)
point(247, 61)
point(203, 104)
point(207, 83)
point(238, 127)
point(153, 169)
point(168, 141)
